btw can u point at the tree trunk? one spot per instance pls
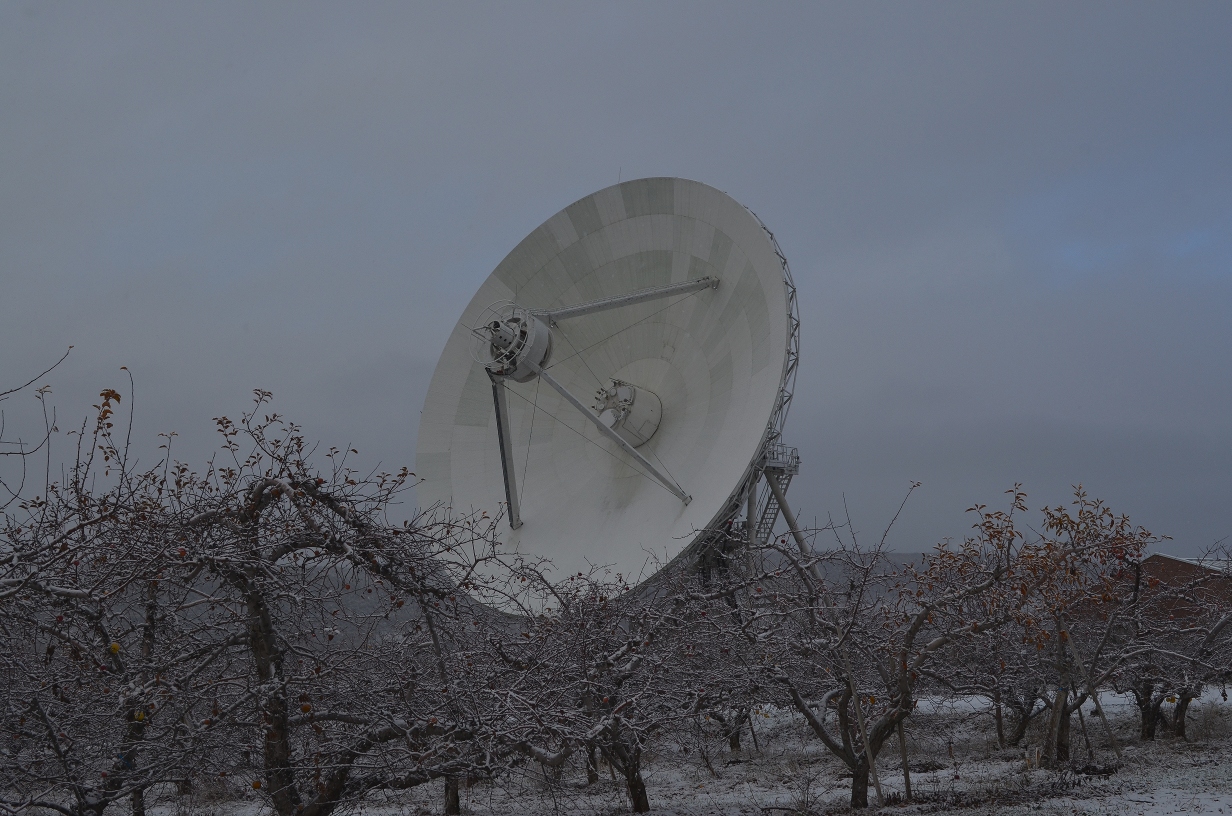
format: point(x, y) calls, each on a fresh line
point(1063, 735)
point(996, 713)
point(1052, 736)
point(859, 785)
point(1178, 716)
point(1148, 703)
point(272, 708)
point(592, 765)
point(1022, 719)
point(1162, 722)
point(1147, 731)
point(628, 758)
point(92, 808)
point(1149, 709)
point(637, 788)
point(279, 767)
point(453, 800)
point(139, 802)
point(1145, 728)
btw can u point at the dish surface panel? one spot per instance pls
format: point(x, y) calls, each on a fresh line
point(715, 358)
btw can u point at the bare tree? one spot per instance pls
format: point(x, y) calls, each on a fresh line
point(267, 622)
point(589, 671)
point(259, 619)
point(21, 451)
point(1004, 670)
point(1182, 614)
point(97, 658)
point(849, 634)
point(1077, 623)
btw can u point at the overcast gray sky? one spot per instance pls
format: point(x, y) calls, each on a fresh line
point(1010, 224)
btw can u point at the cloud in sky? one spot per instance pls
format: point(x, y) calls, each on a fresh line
point(1010, 225)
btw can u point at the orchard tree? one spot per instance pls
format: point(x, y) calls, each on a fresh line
point(852, 635)
point(1182, 613)
point(594, 667)
point(106, 650)
point(1001, 669)
point(258, 621)
point(356, 629)
point(1077, 622)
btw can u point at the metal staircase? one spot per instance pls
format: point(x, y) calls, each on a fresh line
point(714, 550)
point(781, 463)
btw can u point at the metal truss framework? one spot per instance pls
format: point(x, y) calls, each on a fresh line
point(754, 498)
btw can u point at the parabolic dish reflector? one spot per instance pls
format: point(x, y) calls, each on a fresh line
point(683, 349)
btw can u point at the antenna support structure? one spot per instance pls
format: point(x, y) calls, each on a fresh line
point(515, 344)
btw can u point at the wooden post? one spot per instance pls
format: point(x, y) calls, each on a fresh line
point(453, 801)
point(996, 713)
point(902, 748)
point(1085, 738)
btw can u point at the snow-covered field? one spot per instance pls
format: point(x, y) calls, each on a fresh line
point(791, 773)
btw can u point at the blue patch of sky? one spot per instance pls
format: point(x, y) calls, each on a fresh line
point(1127, 218)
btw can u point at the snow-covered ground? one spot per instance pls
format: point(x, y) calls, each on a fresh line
point(791, 773)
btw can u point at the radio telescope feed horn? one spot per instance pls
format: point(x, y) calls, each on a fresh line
point(615, 383)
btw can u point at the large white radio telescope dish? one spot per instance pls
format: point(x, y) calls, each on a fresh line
point(616, 385)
